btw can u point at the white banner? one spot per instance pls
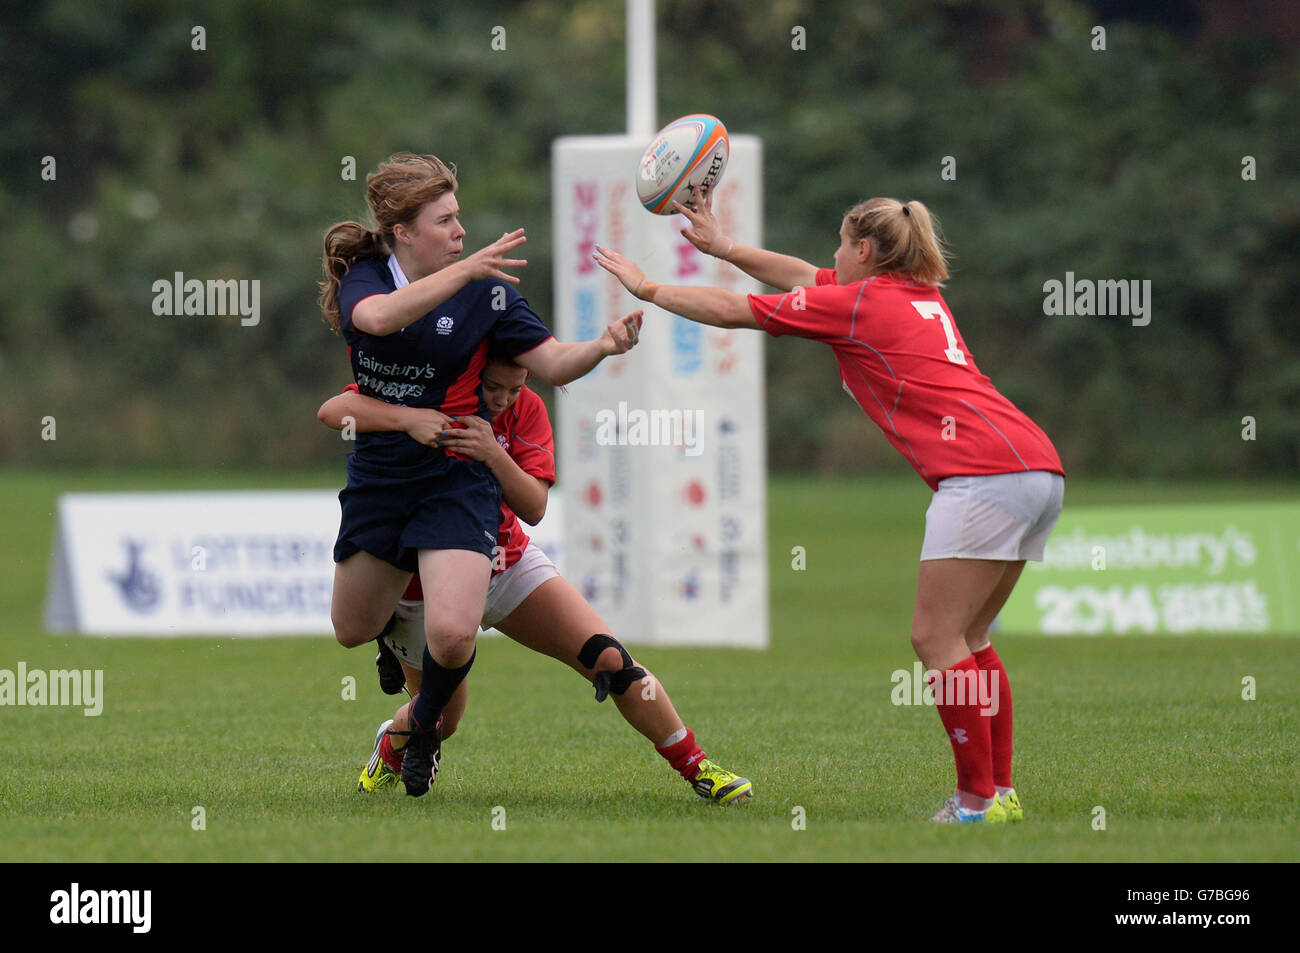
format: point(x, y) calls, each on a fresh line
point(193, 563)
point(252, 563)
point(662, 452)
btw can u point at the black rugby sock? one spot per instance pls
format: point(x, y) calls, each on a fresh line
point(437, 685)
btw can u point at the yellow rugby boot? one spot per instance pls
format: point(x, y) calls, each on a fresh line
point(953, 812)
point(715, 783)
point(376, 774)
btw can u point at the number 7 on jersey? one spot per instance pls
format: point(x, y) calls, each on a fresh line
point(933, 309)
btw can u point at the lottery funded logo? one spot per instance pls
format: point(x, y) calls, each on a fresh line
point(139, 588)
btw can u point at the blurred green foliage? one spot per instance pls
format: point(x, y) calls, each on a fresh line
point(226, 163)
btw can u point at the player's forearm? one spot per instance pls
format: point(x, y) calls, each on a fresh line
point(569, 360)
point(365, 414)
point(779, 271)
point(384, 314)
point(713, 306)
point(524, 493)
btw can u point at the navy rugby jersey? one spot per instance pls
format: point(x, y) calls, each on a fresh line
point(436, 361)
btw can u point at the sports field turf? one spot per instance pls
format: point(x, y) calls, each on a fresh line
point(256, 732)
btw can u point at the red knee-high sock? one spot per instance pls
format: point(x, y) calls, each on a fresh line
point(968, 730)
point(684, 756)
point(391, 758)
point(1000, 723)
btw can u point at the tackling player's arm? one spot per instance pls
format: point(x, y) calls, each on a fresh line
point(780, 271)
point(368, 415)
point(524, 493)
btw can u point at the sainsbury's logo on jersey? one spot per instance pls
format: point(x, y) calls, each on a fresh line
point(217, 297)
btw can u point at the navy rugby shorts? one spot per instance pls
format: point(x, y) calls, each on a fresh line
point(394, 512)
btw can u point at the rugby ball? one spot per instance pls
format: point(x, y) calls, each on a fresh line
point(687, 152)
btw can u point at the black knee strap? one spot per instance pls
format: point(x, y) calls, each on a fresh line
point(606, 682)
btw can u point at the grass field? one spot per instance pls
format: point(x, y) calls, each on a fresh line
point(255, 731)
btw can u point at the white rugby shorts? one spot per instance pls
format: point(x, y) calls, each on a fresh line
point(506, 591)
point(1005, 516)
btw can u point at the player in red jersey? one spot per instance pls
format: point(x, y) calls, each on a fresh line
point(997, 479)
point(527, 598)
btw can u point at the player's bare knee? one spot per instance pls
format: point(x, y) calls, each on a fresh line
point(450, 641)
point(922, 641)
point(349, 634)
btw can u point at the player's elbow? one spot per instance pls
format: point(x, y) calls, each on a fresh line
point(535, 508)
point(333, 412)
point(549, 376)
point(543, 362)
point(327, 416)
point(533, 515)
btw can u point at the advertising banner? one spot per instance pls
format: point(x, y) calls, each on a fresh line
point(1222, 569)
point(662, 451)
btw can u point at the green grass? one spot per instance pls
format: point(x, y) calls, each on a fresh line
point(256, 731)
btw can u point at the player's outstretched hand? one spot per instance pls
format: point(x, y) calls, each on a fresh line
point(622, 268)
point(487, 262)
point(704, 233)
point(621, 336)
point(472, 437)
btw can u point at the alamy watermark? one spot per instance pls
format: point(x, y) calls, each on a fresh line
point(80, 906)
point(634, 427)
point(1107, 297)
point(922, 686)
point(77, 688)
point(216, 297)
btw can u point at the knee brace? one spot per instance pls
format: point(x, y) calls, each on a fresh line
point(606, 682)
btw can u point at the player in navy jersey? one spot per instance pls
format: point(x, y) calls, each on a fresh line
point(997, 479)
point(418, 321)
point(528, 600)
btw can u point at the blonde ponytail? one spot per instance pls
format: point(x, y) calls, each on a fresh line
point(906, 238)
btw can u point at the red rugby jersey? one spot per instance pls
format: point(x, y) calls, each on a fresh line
point(904, 361)
point(524, 430)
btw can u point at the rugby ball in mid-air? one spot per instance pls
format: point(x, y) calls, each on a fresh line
point(687, 152)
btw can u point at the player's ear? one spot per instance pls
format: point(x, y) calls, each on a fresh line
point(864, 250)
point(399, 233)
